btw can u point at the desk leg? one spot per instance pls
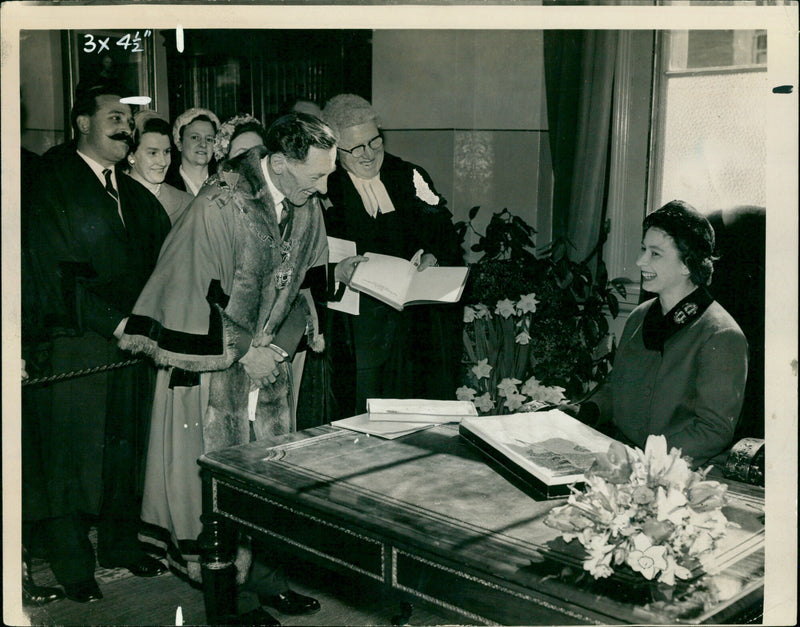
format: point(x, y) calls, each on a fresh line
point(217, 545)
point(404, 617)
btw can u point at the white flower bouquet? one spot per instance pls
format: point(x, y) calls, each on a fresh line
point(647, 511)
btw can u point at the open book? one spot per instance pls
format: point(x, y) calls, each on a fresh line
point(545, 450)
point(398, 283)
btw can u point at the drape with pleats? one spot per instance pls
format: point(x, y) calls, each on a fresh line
point(579, 81)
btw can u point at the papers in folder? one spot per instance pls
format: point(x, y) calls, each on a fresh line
point(394, 418)
point(388, 430)
point(418, 410)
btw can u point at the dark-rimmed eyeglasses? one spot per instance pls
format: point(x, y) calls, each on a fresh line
point(358, 151)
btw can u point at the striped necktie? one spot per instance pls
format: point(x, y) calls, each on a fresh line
point(110, 186)
point(286, 216)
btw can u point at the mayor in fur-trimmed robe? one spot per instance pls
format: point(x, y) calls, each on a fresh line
point(225, 273)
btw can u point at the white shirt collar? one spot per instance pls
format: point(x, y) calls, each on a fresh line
point(189, 185)
point(274, 192)
point(373, 194)
point(98, 169)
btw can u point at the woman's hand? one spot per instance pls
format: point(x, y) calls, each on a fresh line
point(343, 271)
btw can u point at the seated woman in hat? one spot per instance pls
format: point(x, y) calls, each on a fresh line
point(681, 364)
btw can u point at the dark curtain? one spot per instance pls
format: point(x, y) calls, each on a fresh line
point(579, 82)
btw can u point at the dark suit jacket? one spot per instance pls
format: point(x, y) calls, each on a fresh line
point(89, 267)
point(86, 270)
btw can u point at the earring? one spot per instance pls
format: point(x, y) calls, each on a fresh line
point(131, 160)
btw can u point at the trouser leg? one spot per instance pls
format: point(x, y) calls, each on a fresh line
point(127, 417)
point(266, 578)
point(69, 550)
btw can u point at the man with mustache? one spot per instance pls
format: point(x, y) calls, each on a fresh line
point(93, 238)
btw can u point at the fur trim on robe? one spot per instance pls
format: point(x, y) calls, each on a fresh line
point(214, 283)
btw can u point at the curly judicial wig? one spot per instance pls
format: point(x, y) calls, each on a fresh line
point(346, 110)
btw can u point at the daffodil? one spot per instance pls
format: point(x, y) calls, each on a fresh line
point(484, 402)
point(532, 386)
point(505, 308)
point(523, 338)
point(527, 303)
point(482, 369)
point(482, 311)
point(469, 314)
point(465, 393)
point(508, 386)
point(514, 401)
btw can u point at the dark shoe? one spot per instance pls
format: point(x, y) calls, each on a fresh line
point(83, 592)
point(258, 616)
point(39, 595)
point(290, 602)
point(144, 566)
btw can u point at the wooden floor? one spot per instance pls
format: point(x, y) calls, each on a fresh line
point(130, 600)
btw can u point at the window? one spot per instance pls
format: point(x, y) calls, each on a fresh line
point(709, 145)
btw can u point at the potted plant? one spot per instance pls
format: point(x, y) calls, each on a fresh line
point(535, 327)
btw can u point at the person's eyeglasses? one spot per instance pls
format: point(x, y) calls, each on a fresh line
point(358, 151)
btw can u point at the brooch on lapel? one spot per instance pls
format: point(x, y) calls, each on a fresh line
point(684, 313)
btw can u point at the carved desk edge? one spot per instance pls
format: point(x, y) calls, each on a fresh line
point(385, 559)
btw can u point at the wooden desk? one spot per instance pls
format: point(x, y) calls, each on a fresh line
point(427, 517)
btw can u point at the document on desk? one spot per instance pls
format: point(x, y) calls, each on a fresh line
point(339, 249)
point(387, 430)
point(418, 410)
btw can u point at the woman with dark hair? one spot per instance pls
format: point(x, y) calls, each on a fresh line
point(681, 365)
point(238, 135)
point(149, 159)
point(194, 132)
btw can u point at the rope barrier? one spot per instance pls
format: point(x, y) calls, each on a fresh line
point(74, 374)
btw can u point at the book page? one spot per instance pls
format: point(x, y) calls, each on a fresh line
point(438, 284)
point(385, 277)
point(339, 249)
point(553, 446)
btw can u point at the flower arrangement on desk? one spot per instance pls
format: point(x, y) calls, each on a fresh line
point(535, 327)
point(647, 511)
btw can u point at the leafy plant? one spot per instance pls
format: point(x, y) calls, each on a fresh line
point(562, 342)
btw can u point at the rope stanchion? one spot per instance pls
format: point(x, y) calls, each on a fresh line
point(74, 374)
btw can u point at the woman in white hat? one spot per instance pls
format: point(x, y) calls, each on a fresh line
point(194, 132)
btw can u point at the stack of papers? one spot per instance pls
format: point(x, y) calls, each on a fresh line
point(394, 418)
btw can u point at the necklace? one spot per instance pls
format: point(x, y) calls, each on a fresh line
point(284, 272)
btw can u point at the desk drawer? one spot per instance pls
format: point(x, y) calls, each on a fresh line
point(300, 529)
